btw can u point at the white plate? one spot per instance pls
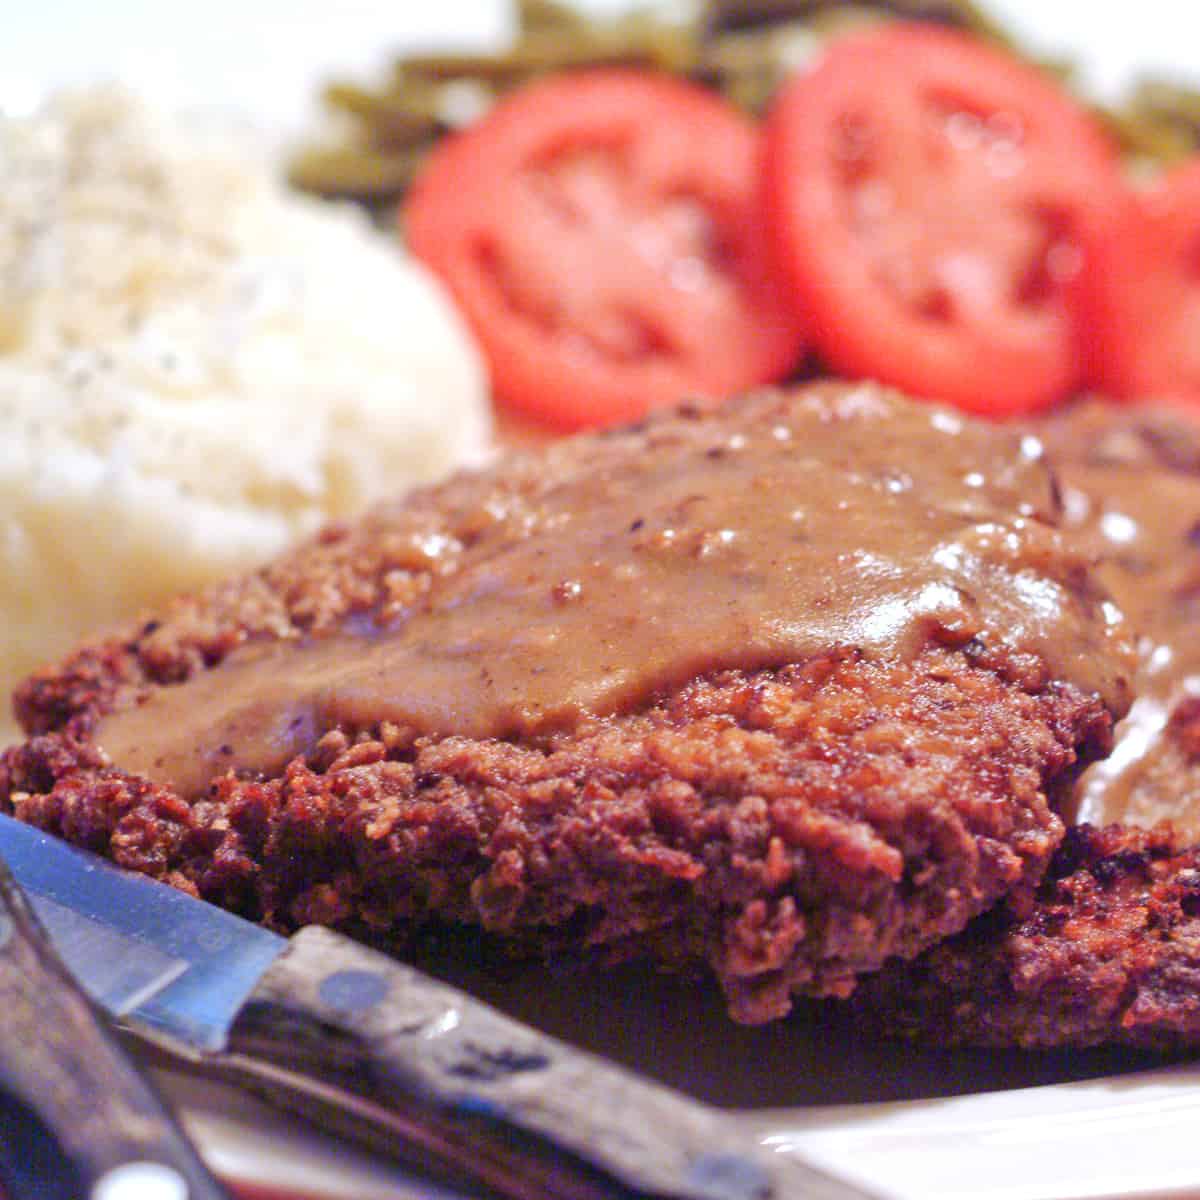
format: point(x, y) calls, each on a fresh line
point(908, 1123)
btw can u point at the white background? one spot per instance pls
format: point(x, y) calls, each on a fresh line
point(263, 56)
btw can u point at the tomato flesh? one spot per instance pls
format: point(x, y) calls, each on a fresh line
point(958, 242)
point(927, 197)
point(1140, 296)
point(616, 275)
point(600, 232)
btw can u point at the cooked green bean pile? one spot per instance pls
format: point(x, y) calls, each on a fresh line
point(742, 48)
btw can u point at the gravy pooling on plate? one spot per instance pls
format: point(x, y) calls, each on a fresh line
point(1130, 481)
point(756, 537)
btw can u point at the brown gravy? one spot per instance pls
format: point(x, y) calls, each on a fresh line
point(783, 526)
point(1130, 481)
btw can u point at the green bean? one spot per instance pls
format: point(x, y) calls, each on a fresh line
point(538, 16)
point(1173, 111)
point(1161, 96)
point(747, 66)
point(542, 52)
point(740, 48)
point(348, 171)
point(395, 119)
point(1146, 139)
point(722, 15)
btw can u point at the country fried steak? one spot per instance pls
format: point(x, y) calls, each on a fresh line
point(1110, 952)
point(787, 689)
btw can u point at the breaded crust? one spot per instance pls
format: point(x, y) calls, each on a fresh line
point(1110, 952)
point(790, 828)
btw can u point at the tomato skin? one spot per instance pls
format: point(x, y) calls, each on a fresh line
point(589, 328)
point(914, 257)
point(1139, 299)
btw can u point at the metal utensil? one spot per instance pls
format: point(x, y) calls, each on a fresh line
point(321, 1020)
point(78, 1121)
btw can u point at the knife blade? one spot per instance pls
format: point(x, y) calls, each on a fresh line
point(78, 1119)
point(385, 1052)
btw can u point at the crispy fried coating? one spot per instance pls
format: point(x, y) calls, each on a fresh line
point(791, 829)
point(1109, 952)
point(1111, 949)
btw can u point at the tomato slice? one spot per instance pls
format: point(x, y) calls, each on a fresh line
point(1140, 294)
point(600, 232)
point(928, 197)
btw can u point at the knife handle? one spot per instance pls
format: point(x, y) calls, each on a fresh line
point(77, 1119)
point(521, 1112)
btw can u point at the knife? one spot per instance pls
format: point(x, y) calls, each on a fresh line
point(78, 1120)
point(404, 1061)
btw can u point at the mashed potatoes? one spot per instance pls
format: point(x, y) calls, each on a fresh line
point(196, 367)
